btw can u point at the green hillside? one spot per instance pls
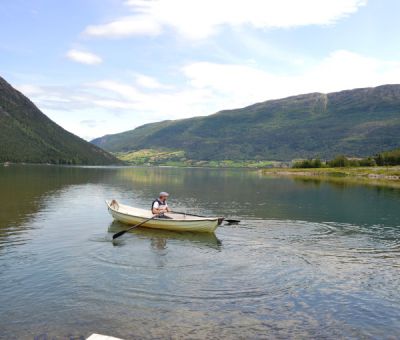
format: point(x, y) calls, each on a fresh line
point(358, 122)
point(27, 135)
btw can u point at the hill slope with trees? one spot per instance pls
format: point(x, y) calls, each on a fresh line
point(28, 135)
point(359, 122)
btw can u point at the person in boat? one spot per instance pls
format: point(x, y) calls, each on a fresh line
point(160, 205)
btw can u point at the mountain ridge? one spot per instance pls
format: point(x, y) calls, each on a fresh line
point(28, 135)
point(357, 122)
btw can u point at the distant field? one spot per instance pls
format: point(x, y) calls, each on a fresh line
point(156, 157)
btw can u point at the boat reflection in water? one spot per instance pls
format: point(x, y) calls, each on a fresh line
point(159, 238)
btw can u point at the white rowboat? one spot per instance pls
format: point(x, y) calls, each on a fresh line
point(177, 222)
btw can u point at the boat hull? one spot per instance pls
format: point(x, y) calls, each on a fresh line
point(179, 222)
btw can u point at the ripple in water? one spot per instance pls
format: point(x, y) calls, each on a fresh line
point(281, 276)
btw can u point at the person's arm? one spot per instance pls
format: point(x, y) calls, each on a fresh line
point(157, 210)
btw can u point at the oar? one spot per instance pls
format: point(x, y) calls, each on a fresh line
point(232, 221)
point(135, 226)
point(226, 220)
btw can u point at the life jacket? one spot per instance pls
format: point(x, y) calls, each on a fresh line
point(161, 203)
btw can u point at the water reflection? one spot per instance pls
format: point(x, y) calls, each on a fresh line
point(159, 243)
point(159, 238)
point(143, 176)
point(26, 190)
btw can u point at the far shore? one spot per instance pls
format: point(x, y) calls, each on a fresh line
point(374, 175)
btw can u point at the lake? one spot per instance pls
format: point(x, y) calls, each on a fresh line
point(309, 259)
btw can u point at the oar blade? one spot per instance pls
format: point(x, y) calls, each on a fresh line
point(232, 221)
point(135, 226)
point(120, 233)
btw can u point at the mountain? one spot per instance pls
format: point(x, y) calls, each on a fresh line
point(358, 122)
point(27, 135)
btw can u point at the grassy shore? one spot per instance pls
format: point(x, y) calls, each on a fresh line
point(154, 157)
point(367, 175)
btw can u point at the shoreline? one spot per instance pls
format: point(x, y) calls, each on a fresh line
point(389, 176)
point(162, 165)
point(389, 173)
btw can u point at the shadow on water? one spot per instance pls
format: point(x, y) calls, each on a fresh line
point(159, 238)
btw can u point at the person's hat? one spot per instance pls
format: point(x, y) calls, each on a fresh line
point(163, 193)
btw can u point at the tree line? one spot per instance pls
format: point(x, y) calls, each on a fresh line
point(386, 158)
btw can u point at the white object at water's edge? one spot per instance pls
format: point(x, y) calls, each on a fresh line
point(95, 336)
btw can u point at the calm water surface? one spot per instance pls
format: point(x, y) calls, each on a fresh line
point(309, 259)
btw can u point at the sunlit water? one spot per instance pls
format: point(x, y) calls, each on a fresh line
point(308, 260)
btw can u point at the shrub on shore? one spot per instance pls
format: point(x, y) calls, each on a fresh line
point(385, 158)
point(388, 158)
point(308, 163)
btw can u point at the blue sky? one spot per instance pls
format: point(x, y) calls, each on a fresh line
point(105, 66)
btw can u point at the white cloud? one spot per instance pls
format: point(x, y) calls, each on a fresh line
point(197, 19)
point(244, 84)
point(171, 105)
point(91, 123)
point(30, 90)
point(84, 57)
point(209, 87)
point(148, 82)
point(123, 90)
point(126, 26)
